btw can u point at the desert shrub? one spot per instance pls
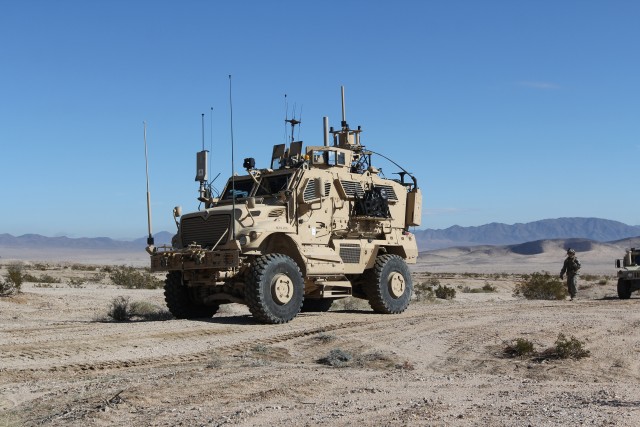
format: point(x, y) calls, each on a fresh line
point(485, 289)
point(540, 286)
point(47, 278)
point(143, 310)
point(39, 266)
point(107, 269)
point(119, 309)
point(571, 348)
point(444, 292)
point(337, 358)
point(132, 278)
point(12, 280)
point(83, 267)
point(97, 277)
point(589, 277)
point(585, 286)
point(424, 292)
point(15, 274)
point(76, 282)
point(521, 347)
point(603, 282)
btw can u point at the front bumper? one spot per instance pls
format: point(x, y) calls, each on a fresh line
point(194, 259)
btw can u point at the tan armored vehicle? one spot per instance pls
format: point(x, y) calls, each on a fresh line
point(314, 226)
point(628, 273)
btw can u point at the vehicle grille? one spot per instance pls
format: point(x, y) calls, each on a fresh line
point(205, 232)
point(350, 253)
point(310, 190)
point(352, 188)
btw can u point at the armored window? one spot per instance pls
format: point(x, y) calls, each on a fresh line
point(273, 184)
point(241, 188)
point(341, 159)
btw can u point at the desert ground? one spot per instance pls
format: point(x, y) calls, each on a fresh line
point(440, 363)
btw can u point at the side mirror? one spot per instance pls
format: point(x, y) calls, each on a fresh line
point(251, 202)
point(177, 212)
point(618, 263)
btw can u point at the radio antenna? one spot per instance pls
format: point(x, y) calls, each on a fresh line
point(211, 142)
point(233, 175)
point(150, 241)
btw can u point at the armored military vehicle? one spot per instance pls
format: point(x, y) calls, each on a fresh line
point(628, 273)
point(314, 226)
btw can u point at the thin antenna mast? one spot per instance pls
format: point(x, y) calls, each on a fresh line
point(202, 131)
point(233, 175)
point(150, 240)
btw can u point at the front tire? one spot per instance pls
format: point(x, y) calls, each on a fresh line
point(624, 289)
point(180, 301)
point(388, 285)
point(275, 289)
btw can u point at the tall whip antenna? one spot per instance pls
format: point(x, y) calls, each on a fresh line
point(150, 241)
point(233, 175)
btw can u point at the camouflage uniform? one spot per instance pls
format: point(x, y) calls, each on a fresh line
point(571, 266)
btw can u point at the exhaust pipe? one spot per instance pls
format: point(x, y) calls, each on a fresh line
point(325, 126)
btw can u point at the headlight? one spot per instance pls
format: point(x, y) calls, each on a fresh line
point(630, 275)
point(243, 240)
point(253, 235)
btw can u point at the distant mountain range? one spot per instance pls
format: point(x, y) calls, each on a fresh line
point(27, 241)
point(596, 229)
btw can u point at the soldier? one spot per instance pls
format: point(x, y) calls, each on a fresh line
point(571, 266)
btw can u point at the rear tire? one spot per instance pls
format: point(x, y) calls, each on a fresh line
point(275, 289)
point(624, 289)
point(388, 285)
point(180, 301)
point(316, 305)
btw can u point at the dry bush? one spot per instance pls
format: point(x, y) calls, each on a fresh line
point(45, 278)
point(444, 292)
point(83, 267)
point(541, 286)
point(337, 358)
point(424, 292)
point(487, 288)
point(76, 282)
point(568, 348)
point(521, 347)
point(563, 348)
point(132, 278)
point(121, 310)
point(12, 280)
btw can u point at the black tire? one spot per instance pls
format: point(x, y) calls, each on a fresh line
point(180, 301)
point(388, 285)
point(624, 290)
point(316, 305)
point(275, 289)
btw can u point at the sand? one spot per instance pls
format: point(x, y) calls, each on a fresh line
point(440, 363)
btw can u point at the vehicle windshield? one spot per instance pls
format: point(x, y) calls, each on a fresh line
point(242, 189)
point(273, 184)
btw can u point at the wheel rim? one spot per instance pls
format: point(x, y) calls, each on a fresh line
point(282, 289)
point(396, 284)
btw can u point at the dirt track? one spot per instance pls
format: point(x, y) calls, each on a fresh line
point(437, 364)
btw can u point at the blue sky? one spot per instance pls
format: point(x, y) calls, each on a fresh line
point(507, 111)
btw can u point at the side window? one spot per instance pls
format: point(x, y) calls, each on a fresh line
point(331, 158)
